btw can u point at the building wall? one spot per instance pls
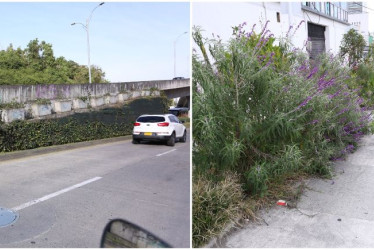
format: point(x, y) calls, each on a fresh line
point(334, 33)
point(360, 22)
point(218, 18)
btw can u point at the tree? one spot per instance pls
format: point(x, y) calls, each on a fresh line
point(97, 74)
point(352, 45)
point(37, 64)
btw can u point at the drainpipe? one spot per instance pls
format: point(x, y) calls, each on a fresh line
point(290, 14)
point(263, 5)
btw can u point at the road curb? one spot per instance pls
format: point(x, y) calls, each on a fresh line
point(57, 148)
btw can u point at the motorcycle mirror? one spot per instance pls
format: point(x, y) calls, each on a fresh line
point(119, 233)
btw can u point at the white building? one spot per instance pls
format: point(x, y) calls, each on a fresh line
point(323, 28)
point(358, 17)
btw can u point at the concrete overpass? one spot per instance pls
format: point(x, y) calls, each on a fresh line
point(27, 93)
point(64, 99)
point(172, 88)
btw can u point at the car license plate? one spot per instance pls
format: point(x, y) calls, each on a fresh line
point(147, 133)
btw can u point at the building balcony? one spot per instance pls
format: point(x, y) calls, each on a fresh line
point(327, 9)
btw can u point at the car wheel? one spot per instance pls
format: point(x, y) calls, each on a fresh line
point(171, 141)
point(184, 137)
point(135, 141)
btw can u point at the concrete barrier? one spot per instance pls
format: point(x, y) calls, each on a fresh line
point(80, 103)
point(111, 99)
point(61, 106)
point(123, 97)
point(97, 101)
point(10, 115)
point(39, 110)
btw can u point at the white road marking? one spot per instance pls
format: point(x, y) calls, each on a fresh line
point(49, 196)
point(154, 203)
point(166, 152)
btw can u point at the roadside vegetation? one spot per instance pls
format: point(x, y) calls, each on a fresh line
point(94, 125)
point(36, 64)
point(265, 115)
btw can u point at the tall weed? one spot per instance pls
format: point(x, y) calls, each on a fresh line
point(256, 99)
point(265, 111)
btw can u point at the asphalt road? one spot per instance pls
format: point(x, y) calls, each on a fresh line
point(64, 199)
point(331, 213)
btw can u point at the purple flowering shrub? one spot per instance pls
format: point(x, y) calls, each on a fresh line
point(335, 119)
point(264, 110)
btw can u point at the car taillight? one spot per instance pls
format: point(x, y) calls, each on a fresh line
point(136, 124)
point(163, 124)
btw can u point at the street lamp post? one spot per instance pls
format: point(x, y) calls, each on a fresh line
point(175, 43)
point(86, 28)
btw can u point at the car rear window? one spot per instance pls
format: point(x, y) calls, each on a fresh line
point(151, 119)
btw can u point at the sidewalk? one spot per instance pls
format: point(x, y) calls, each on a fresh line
point(331, 213)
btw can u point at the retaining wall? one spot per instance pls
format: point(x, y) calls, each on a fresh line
point(35, 109)
point(27, 93)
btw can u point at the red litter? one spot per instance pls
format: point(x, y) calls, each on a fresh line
point(282, 203)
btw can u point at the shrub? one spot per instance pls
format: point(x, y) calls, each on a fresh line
point(99, 124)
point(364, 81)
point(265, 111)
point(248, 111)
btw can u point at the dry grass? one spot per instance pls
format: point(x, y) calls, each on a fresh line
point(215, 205)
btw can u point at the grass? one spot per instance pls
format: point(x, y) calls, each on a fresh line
point(215, 205)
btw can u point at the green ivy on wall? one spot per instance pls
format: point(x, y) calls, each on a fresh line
point(98, 124)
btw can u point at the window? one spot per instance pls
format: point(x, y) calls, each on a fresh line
point(327, 9)
point(151, 119)
point(317, 6)
point(173, 119)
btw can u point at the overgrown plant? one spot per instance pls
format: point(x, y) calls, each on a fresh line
point(364, 80)
point(264, 111)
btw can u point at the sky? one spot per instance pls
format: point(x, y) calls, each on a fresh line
point(130, 41)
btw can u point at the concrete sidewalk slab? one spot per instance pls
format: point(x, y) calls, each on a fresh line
point(331, 213)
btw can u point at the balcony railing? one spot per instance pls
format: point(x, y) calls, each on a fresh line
point(327, 9)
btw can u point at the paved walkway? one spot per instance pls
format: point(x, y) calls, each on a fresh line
point(331, 213)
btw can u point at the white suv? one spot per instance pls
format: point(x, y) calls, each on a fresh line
point(165, 127)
